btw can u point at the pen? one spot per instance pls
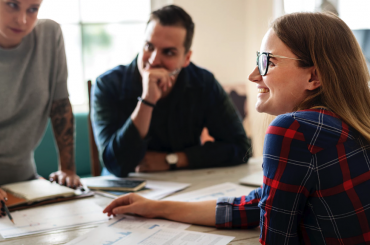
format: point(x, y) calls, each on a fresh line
point(7, 211)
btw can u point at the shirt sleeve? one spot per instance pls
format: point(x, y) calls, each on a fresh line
point(289, 178)
point(231, 145)
point(120, 147)
point(241, 212)
point(61, 90)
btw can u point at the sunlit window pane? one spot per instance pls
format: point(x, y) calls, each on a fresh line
point(62, 11)
point(98, 35)
point(109, 11)
point(106, 46)
point(76, 84)
point(355, 13)
point(291, 6)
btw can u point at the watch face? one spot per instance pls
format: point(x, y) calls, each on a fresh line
point(172, 158)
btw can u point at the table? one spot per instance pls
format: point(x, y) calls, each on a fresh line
point(198, 178)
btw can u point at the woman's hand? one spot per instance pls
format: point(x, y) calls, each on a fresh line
point(3, 197)
point(133, 203)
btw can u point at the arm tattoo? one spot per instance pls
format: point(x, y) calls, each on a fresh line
point(63, 126)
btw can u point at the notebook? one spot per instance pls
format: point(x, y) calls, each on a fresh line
point(115, 184)
point(28, 192)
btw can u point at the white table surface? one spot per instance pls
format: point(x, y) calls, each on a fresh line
point(198, 178)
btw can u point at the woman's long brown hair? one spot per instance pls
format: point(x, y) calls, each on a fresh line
point(323, 40)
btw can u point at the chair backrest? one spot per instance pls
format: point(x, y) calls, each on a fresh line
point(46, 155)
point(237, 94)
point(94, 155)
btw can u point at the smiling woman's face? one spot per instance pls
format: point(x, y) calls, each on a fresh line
point(285, 84)
point(17, 19)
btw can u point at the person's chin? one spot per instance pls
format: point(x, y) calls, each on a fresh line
point(260, 106)
point(13, 42)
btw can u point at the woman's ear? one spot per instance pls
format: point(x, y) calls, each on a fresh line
point(314, 81)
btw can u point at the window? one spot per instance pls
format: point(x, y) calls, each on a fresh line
point(291, 6)
point(353, 12)
point(98, 36)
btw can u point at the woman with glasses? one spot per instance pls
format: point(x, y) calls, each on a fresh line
point(33, 88)
point(312, 75)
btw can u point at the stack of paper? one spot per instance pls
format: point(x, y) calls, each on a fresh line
point(134, 230)
point(52, 217)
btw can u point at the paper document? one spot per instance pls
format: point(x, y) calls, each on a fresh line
point(134, 222)
point(255, 179)
point(212, 193)
point(154, 189)
point(52, 217)
point(160, 189)
point(134, 230)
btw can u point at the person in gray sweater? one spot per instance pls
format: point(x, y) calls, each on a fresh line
point(33, 88)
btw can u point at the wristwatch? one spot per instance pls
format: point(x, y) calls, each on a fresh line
point(172, 160)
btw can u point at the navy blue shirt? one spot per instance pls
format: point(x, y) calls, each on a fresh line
point(196, 101)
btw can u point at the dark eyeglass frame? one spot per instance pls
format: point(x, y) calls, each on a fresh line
point(269, 55)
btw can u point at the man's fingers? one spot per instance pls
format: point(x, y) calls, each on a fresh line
point(164, 81)
point(165, 86)
point(157, 77)
point(143, 167)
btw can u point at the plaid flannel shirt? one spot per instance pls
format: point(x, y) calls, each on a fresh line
point(316, 184)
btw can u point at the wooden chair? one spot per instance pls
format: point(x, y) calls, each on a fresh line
point(94, 155)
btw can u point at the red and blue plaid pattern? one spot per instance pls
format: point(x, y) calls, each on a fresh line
point(316, 184)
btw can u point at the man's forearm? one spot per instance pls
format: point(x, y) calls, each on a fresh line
point(141, 118)
point(183, 160)
point(62, 120)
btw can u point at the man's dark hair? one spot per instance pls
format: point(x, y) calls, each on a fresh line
point(172, 15)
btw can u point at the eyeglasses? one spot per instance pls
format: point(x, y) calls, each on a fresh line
point(263, 60)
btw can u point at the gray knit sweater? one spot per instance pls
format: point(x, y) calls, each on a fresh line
point(32, 76)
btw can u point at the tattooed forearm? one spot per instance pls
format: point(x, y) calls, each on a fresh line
point(63, 125)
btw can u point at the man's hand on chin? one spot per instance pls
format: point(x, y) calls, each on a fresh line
point(153, 162)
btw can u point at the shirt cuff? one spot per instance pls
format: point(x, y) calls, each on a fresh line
point(224, 212)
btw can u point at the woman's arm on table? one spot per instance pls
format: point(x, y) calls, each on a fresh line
point(199, 213)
